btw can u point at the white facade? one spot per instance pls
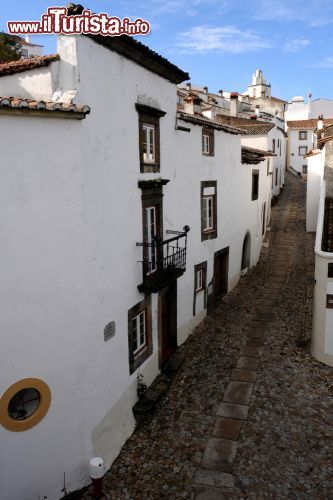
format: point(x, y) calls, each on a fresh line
point(71, 214)
point(298, 109)
point(314, 179)
point(321, 107)
point(301, 142)
point(322, 338)
point(278, 162)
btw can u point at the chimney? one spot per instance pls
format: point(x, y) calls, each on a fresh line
point(192, 104)
point(320, 124)
point(257, 111)
point(205, 89)
point(27, 38)
point(234, 104)
point(309, 104)
point(188, 87)
point(221, 93)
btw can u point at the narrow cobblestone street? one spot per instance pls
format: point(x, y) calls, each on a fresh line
point(250, 413)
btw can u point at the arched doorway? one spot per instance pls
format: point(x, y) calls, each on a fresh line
point(246, 255)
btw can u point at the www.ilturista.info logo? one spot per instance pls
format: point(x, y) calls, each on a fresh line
point(68, 21)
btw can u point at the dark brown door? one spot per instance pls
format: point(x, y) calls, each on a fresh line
point(168, 322)
point(264, 219)
point(221, 267)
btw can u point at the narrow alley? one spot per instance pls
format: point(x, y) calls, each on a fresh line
point(249, 414)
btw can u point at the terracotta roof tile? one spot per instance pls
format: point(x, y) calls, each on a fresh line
point(202, 120)
point(307, 124)
point(26, 105)
point(9, 68)
point(251, 127)
point(252, 156)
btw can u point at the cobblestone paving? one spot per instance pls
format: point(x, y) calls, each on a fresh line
point(250, 413)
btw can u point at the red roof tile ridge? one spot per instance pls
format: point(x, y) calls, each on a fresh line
point(11, 67)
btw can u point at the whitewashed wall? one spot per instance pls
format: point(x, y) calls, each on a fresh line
point(322, 336)
point(295, 160)
point(314, 179)
point(70, 218)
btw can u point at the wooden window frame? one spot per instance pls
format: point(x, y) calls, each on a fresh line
point(197, 268)
point(205, 144)
point(208, 233)
point(152, 196)
point(299, 150)
point(303, 133)
point(255, 192)
point(330, 270)
point(208, 132)
point(147, 127)
point(276, 176)
point(329, 301)
point(268, 167)
point(136, 358)
point(149, 117)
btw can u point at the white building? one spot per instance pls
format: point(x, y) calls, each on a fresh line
point(319, 217)
point(101, 166)
point(298, 109)
point(27, 47)
point(301, 142)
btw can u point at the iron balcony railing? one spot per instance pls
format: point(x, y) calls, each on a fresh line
point(163, 260)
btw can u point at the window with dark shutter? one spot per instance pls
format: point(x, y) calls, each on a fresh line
point(255, 184)
point(208, 210)
point(140, 345)
point(149, 138)
point(207, 141)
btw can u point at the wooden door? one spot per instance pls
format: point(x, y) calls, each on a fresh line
point(221, 268)
point(167, 322)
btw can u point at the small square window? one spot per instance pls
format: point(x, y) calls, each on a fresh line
point(329, 301)
point(303, 135)
point(302, 150)
point(304, 169)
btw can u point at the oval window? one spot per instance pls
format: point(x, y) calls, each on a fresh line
point(24, 404)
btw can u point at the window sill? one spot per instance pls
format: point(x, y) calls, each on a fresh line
point(149, 168)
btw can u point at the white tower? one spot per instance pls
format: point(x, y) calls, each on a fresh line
point(259, 86)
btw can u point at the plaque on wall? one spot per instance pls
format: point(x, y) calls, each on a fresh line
point(109, 331)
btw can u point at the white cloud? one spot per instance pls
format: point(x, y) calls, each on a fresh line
point(316, 13)
point(325, 63)
point(156, 8)
point(296, 44)
point(227, 39)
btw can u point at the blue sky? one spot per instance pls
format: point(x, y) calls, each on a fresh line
point(221, 42)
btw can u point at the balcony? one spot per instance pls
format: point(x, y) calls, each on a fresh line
point(163, 261)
